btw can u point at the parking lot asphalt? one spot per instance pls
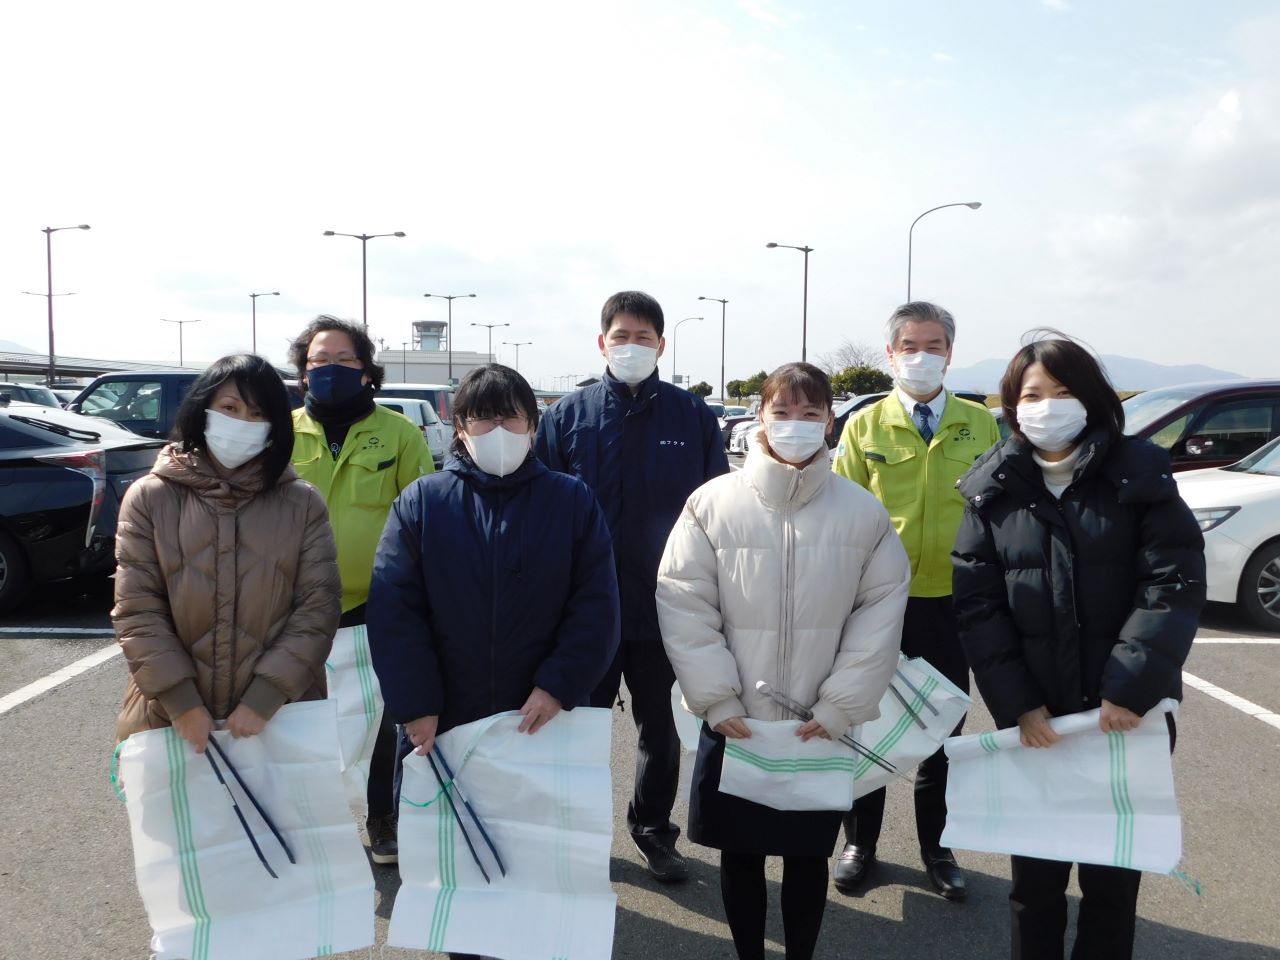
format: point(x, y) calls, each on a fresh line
point(67, 887)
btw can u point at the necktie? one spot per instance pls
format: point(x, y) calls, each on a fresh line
point(922, 421)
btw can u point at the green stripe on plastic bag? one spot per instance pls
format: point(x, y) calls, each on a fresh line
point(320, 869)
point(899, 729)
point(448, 881)
point(364, 670)
point(1121, 800)
point(192, 891)
point(803, 765)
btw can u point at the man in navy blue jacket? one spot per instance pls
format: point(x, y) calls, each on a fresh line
point(643, 446)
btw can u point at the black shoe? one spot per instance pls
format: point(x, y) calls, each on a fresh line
point(383, 846)
point(854, 867)
point(664, 861)
point(945, 874)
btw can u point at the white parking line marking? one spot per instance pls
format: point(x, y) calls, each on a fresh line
point(1260, 641)
point(45, 684)
point(57, 631)
point(1231, 700)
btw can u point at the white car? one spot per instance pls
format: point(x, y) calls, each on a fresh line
point(1239, 511)
point(423, 416)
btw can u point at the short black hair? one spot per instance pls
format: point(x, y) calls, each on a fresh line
point(359, 336)
point(259, 383)
point(493, 390)
point(639, 305)
point(1072, 366)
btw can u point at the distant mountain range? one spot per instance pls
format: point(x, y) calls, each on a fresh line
point(1127, 373)
point(8, 346)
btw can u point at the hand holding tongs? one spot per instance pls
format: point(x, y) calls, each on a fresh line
point(804, 713)
point(244, 824)
point(444, 788)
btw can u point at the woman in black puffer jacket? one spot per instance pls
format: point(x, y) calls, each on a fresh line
point(1079, 578)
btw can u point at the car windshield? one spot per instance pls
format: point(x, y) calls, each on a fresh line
point(735, 411)
point(1143, 409)
point(1264, 460)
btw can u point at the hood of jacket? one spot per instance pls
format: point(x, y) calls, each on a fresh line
point(196, 469)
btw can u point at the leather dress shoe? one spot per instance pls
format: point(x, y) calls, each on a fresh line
point(853, 868)
point(944, 873)
point(663, 859)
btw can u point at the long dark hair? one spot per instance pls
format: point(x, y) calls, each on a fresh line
point(493, 390)
point(259, 384)
point(1072, 366)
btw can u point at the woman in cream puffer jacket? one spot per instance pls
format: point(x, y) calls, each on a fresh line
point(788, 573)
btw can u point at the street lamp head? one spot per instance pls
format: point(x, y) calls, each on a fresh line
point(702, 298)
point(770, 245)
point(398, 233)
point(83, 226)
point(974, 204)
point(330, 233)
point(275, 293)
point(470, 294)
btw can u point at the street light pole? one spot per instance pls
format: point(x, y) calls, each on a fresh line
point(180, 324)
point(674, 370)
point(722, 305)
point(404, 360)
point(48, 252)
point(364, 239)
point(804, 316)
point(518, 344)
point(253, 297)
point(449, 331)
point(972, 205)
point(490, 326)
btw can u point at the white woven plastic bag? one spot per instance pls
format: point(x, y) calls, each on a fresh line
point(1093, 797)
point(546, 801)
point(353, 686)
point(206, 894)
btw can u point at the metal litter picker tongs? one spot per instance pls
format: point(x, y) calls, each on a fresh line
point(804, 713)
point(444, 788)
point(244, 824)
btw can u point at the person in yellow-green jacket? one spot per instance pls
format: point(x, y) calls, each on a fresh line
point(359, 456)
point(909, 449)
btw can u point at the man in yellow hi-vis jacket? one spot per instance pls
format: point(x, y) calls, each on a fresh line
point(909, 450)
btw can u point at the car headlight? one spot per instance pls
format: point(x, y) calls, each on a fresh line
point(1210, 517)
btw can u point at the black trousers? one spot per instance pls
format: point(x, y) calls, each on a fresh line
point(643, 662)
point(1038, 902)
point(383, 791)
point(804, 900)
point(928, 631)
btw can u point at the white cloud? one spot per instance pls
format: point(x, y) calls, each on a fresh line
point(940, 57)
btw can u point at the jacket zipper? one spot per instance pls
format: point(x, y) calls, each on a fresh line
point(788, 593)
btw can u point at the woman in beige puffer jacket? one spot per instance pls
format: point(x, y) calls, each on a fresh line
point(788, 573)
point(227, 592)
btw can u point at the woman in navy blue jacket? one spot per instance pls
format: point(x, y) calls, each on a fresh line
point(493, 585)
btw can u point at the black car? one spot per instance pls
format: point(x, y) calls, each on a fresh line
point(143, 401)
point(61, 480)
point(1206, 424)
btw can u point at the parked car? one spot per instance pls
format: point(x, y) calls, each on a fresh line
point(62, 476)
point(30, 393)
point(423, 416)
point(440, 396)
point(1207, 424)
point(1238, 507)
point(65, 395)
point(728, 423)
point(145, 402)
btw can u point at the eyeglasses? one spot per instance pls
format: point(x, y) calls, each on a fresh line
point(518, 423)
point(324, 360)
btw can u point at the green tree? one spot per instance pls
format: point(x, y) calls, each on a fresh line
point(702, 389)
point(752, 386)
point(736, 388)
point(859, 380)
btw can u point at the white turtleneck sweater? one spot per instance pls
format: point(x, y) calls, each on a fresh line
point(1057, 476)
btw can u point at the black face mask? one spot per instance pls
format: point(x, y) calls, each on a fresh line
point(334, 383)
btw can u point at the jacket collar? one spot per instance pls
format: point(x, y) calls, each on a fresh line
point(1010, 468)
point(780, 484)
point(648, 387)
point(894, 414)
point(463, 466)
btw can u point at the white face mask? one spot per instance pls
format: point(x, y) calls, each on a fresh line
point(234, 442)
point(500, 451)
point(632, 363)
point(919, 373)
point(1052, 425)
point(795, 441)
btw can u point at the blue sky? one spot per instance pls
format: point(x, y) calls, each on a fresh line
point(544, 155)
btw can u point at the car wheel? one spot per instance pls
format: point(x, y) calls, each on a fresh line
point(1260, 587)
point(15, 578)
